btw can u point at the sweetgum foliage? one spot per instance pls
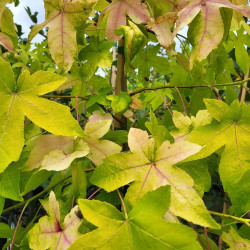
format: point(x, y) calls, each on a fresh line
point(119, 132)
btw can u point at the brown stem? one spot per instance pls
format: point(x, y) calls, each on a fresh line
point(113, 69)
point(220, 242)
point(244, 87)
point(77, 113)
point(121, 81)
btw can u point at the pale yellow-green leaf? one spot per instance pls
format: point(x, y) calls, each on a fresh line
point(235, 241)
point(21, 98)
point(162, 28)
point(58, 160)
point(62, 18)
point(150, 170)
point(49, 233)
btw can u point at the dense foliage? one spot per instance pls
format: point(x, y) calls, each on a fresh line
point(128, 142)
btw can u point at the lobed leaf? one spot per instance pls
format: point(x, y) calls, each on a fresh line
point(139, 229)
point(150, 168)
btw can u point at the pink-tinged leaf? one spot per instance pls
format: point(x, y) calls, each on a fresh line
point(62, 18)
point(100, 149)
point(58, 160)
point(137, 140)
point(209, 28)
point(98, 116)
point(118, 10)
point(187, 14)
point(208, 32)
point(56, 153)
point(44, 145)
point(98, 125)
point(49, 233)
point(6, 42)
point(243, 9)
point(162, 28)
point(150, 168)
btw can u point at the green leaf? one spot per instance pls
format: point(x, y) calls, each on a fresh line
point(9, 180)
point(159, 132)
point(231, 130)
point(97, 53)
point(242, 56)
point(184, 124)
point(49, 233)
point(233, 239)
point(140, 229)
point(117, 136)
point(35, 180)
point(151, 168)
point(79, 180)
point(62, 18)
point(199, 171)
point(5, 231)
point(146, 59)
point(2, 200)
point(22, 98)
point(120, 103)
point(134, 41)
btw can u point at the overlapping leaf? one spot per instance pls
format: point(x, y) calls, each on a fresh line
point(208, 29)
point(118, 10)
point(62, 18)
point(97, 126)
point(140, 229)
point(231, 130)
point(162, 28)
point(184, 124)
point(151, 168)
point(49, 232)
point(57, 152)
point(22, 98)
point(7, 27)
point(235, 241)
point(134, 41)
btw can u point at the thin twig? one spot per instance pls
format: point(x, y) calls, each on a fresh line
point(65, 96)
point(220, 242)
point(77, 114)
point(198, 236)
point(244, 87)
point(208, 245)
point(217, 93)
point(182, 101)
point(18, 222)
point(94, 193)
point(240, 220)
point(189, 86)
